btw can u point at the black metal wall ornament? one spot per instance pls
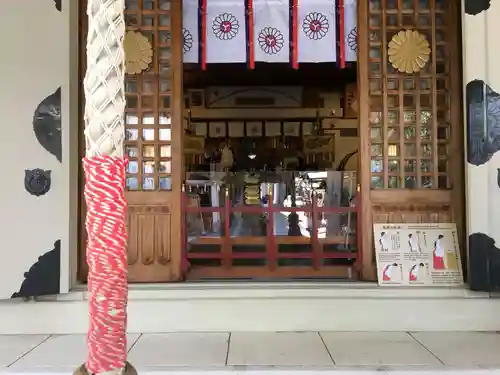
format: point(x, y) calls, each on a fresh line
point(47, 124)
point(484, 263)
point(44, 276)
point(37, 181)
point(474, 7)
point(483, 122)
point(58, 4)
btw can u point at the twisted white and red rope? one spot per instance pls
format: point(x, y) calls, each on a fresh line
point(107, 261)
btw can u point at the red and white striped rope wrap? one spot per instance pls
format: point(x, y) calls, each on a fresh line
point(107, 261)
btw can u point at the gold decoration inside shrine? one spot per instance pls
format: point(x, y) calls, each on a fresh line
point(252, 190)
point(351, 105)
point(138, 52)
point(409, 51)
point(227, 158)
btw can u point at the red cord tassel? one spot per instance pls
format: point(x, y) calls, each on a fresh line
point(295, 34)
point(204, 34)
point(251, 30)
point(342, 34)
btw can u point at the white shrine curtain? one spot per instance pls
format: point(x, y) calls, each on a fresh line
point(190, 27)
point(317, 40)
point(350, 31)
point(225, 31)
point(271, 19)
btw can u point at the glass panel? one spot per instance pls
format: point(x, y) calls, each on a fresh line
point(166, 151)
point(377, 166)
point(165, 167)
point(410, 182)
point(164, 4)
point(132, 152)
point(148, 151)
point(377, 182)
point(148, 183)
point(377, 150)
point(132, 167)
point(148, 167)
point(131, 120)
point(394, 182)
point(410, 165)
point(132, 183)
point(165, 183)
point(165, 135)
point(131, 134)
point(148, 134)
point(393, 166)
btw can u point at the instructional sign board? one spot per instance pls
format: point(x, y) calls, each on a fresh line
point(418, 254)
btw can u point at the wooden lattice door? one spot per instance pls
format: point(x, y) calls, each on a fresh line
point(411, 133)
point(153, 120)
point(154, 144)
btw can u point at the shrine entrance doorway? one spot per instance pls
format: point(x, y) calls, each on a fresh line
point(392, 156)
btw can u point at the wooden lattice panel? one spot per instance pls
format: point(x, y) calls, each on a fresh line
point(154, 144)
point(148, 112)
point(413, 213)
point(409, 118)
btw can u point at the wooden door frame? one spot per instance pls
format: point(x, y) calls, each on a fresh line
point(457, 163)
point(368, 267)
point(177, 109)
point(456, 151)
point(177, 114)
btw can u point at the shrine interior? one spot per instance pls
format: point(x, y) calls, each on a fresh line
point(250, 155)
point(270, 135)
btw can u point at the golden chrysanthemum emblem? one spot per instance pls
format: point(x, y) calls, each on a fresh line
point(409, 51)
point(138, 52)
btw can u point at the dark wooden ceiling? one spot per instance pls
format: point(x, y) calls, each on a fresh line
point(326, 75)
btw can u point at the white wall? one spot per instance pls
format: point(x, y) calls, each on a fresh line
point(34, 63)
point(480, 33)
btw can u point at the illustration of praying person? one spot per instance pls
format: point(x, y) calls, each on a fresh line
point(388, 271)
point(438, 253)
point(413, 243)
point(383, 242)
point(417, 272)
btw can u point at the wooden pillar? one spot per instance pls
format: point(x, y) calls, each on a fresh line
point(368, 271)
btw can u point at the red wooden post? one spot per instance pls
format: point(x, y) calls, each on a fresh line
point(227, 249)
point(315, 245)
point(272, 249)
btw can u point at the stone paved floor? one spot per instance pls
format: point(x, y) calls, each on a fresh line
point(305, 349)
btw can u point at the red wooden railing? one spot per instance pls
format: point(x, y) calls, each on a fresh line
point(271, 241)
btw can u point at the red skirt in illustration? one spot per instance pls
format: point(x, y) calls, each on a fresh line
point(385, 274)
point(438, 261)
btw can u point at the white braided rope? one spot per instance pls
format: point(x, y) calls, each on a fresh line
point(104, 80)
